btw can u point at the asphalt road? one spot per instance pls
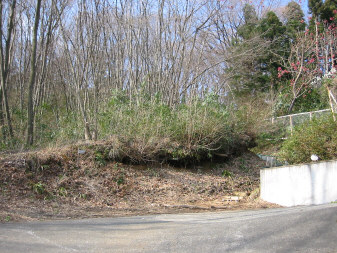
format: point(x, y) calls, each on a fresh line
point(300, 229)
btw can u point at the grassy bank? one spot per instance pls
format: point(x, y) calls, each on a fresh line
point(145, 129)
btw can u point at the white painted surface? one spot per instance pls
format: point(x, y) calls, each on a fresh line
point(305, 184)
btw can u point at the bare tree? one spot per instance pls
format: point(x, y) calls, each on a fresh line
point(5, 61)
point(30, 114)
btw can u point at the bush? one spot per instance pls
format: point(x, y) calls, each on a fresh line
point(190, 131)
point(313, 137)
point(144, 128)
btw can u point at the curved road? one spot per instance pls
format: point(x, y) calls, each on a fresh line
point(299, 229)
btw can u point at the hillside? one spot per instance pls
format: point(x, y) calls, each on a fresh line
point(59, 184)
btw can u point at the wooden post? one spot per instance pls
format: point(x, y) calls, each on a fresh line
point(291, 124)
point(331, 97)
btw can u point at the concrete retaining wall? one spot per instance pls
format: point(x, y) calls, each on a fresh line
point(305, 184)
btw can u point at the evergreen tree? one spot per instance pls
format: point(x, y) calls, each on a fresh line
point(272, 30)
point(315, 7)
point(256, 70)
point(294, 19)
point(271, 27)
point(328, 11)
point(323, 12)
point(247, 30)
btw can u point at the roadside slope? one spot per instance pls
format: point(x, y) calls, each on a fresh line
point(58, 184)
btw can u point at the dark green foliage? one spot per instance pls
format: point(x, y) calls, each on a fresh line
point(314, 137)
point(247, 30)
point(294, 19)
point(322, 12)
point(250, 15)
point(256, 70)
point(315, 6)
point(327, 11)
point(314, 99)
point(271, 27)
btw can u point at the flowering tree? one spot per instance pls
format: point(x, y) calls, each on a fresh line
point(310, 60)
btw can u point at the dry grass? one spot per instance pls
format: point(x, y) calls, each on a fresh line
point(60, 183)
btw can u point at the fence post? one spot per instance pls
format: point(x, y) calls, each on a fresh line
point(291, 124)
point(331, 97)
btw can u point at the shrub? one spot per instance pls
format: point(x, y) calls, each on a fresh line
point(150, 129)
point(313, 137)
point(142, 128)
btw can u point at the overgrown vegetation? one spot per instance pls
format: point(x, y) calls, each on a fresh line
point(178, 80)
point(146, 130)
point(149, 130)
point(313, 137)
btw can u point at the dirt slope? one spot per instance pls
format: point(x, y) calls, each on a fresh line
point(61, 183)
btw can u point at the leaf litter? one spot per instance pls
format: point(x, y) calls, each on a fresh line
point(62, 184)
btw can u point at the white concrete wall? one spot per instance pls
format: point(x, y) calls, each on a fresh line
point(305, 184)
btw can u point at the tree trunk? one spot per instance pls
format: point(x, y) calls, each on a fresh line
point(291, 106)
point(2, 121)
point(5, 62)
point(30, 128)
